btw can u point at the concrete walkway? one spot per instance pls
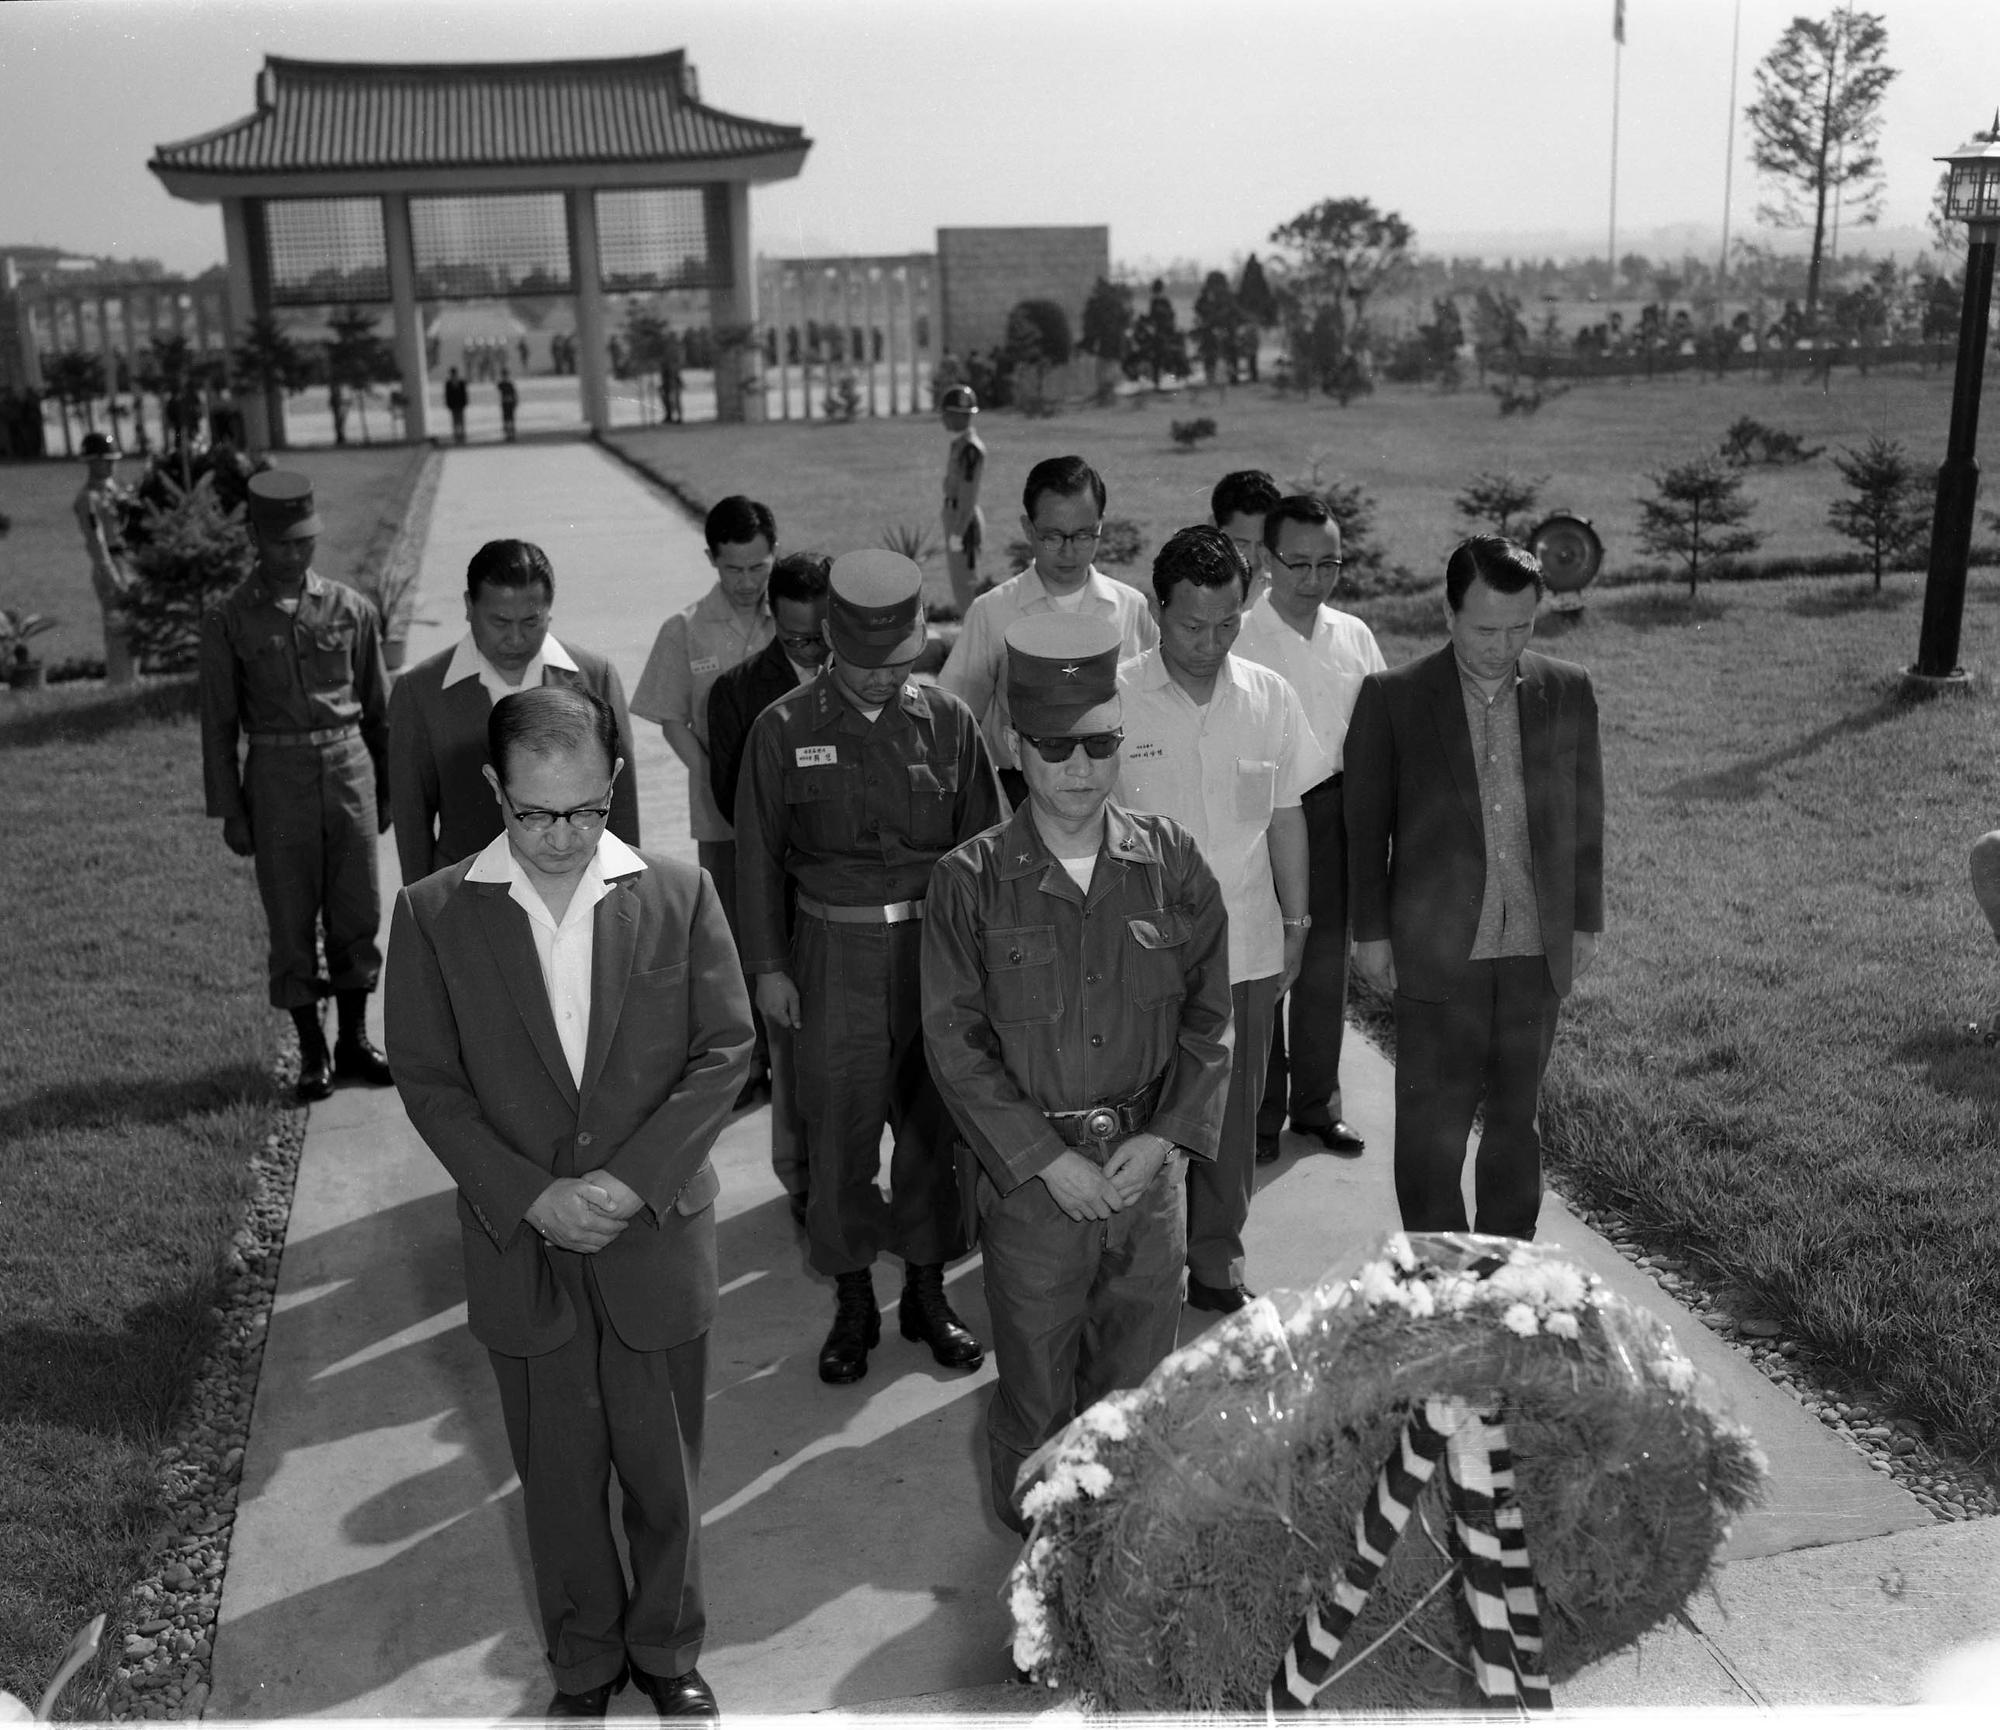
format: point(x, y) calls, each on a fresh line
point(379, 1564)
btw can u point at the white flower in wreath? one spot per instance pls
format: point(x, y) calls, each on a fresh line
point(1563, 1325)
point(1521, 1319)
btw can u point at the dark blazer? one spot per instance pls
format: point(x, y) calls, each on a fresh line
point(1416, 845)
point(735, 700)
point(476, 1057)
point(443, 809)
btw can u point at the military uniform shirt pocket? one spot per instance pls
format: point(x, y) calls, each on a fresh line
point(1156, 958)
point(329, 657)
point(1023, 985)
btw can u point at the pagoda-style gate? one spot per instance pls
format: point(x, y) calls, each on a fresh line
point(370, 183)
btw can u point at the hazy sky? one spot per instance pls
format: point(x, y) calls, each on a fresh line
point(1191, 129)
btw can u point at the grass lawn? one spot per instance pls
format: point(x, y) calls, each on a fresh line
point(42, 563)
point(1768, 1066)
point(134, 1087)
point(838, 487)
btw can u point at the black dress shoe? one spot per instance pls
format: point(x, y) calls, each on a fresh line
point(1336, 1137)
point(1223, 1299)
point(686, 1696)
point(315, 1076)
point(857, 1326)
point(926, 1315)
point(589, 1703)
point(1267, 1150)
point(356, 1060)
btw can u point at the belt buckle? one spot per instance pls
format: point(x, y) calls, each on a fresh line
point(1100, 1124)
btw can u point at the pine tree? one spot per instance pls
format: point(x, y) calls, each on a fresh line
point(1886, 510)
point(1692, 515)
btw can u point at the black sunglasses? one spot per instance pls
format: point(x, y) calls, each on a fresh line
point(1097, 746)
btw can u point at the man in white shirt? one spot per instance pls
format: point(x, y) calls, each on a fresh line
point(438, 796)
point(1223, 745)
point(1062, 514)
point(1239, 507)
point(1323, 654)
point(568, 1028)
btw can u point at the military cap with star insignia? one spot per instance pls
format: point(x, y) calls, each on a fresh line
point(875, 608)
point(281, 505)
point(1062, 673)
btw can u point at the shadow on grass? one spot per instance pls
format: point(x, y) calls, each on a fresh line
point(58, 717)
point(1657, 609)
point(1838, 603)
point(1745, 780)
point(98, 1103)
point(128, 1382)
point(1957, 1063)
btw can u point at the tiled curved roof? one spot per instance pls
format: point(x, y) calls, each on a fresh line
point(315, 116)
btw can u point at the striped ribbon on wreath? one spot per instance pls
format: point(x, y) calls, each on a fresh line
point(1488, 1543)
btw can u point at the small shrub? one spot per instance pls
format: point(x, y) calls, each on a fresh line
point(1692, 515)
point(1189, 433)
point(1885, 510)
point(1750, 442)
point(1525, 397)
point(195, 551)
point(1494, 497)
point(913, 540)
point(1122, 542)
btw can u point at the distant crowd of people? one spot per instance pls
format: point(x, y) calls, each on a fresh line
point(1070, 920)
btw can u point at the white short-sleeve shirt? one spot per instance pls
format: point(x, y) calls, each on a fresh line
point(1326, 670)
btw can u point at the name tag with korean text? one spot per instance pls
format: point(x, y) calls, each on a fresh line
point(1144, 750)
point(705, 664)
point(816, 756)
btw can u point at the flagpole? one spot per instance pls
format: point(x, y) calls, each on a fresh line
point(1617, 69)
point(1728, 159)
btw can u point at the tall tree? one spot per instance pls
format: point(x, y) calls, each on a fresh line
point(1158, 345)
point(267, 357)
point(1814, 125)
point(1258, 305)
point(1037, 338)
point(1107, 319)
point(1216, 321)
point(1342, 250)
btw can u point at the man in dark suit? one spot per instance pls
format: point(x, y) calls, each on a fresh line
point(438, 796)
point(1475, 827)
point(568, 1028)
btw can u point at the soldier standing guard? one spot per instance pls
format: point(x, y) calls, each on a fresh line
point(1077, 1013)
point(964, 468)
point(854, 787)
point(101, 508)
point(292, 662)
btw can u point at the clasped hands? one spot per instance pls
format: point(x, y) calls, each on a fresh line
point(1085, 1191)
point(584, 1213)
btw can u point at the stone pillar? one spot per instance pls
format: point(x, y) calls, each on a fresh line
point(776, 301)
point(407, 314)
point(238, 240)
point(734, 307)
point(592, 365)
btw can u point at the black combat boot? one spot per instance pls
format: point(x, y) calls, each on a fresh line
point(857, 1325)
point(354, 1059)
point(315, 1063)
point(926, 1316)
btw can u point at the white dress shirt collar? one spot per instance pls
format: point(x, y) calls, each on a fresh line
point(468, 663)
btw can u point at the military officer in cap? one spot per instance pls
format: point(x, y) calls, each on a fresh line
point(854, 787)
point(291, 662)
point(1077, 1014)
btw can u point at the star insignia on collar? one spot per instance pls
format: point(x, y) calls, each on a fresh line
point(1070, 672)
point(1021, 858)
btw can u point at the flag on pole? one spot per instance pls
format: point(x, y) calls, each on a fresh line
point(1618, 22)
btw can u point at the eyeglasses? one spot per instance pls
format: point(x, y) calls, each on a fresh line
point(1096, 746)
point(805, 642)
point(1312, 567)
point(582, 818)
point(1051, 542)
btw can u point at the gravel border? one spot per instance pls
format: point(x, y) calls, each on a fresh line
point(1949, 1486)
point(164, 1632)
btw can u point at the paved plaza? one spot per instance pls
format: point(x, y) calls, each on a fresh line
point(379, 1565)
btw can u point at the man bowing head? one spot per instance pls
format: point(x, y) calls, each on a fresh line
point(568, 1028)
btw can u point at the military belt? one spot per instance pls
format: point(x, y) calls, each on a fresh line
point(895, 913)
point(315, 736)
point(1103, 1123)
